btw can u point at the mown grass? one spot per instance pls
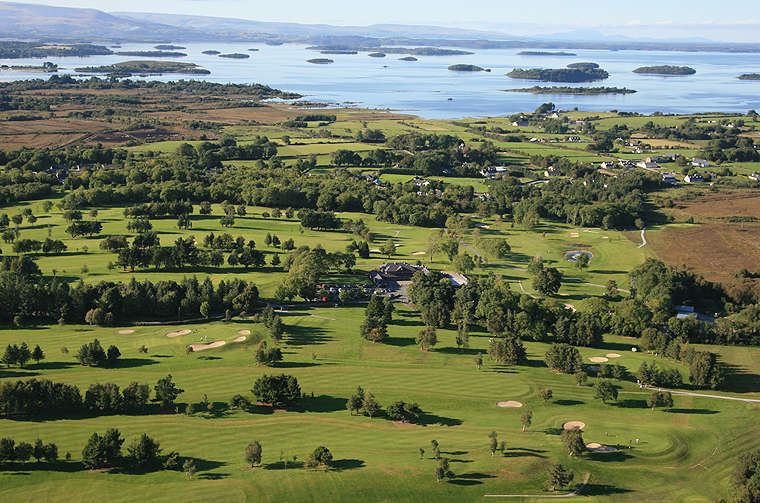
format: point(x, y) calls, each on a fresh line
point(377, 460)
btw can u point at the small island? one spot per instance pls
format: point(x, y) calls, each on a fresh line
point(376, 54)
point(153, 54)
point(320, 61)
point(414, 51)
point(253, 49)
point(575, 91)
point(339, 51)
point(408, 58)
point(169, 47)
point(545, 53)
point(559, 74)
point(583, 66)
point(46, 67)
point(235, 55)
point(666, 70)
point(750, 76)
point(127, 68)
point(467, 68)
point(211, 52)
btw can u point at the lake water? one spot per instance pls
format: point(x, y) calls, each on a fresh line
point(424, 87)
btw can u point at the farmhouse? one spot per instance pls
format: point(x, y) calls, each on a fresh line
point(648, 165)
point(694, 178)
point(700, 163)
point(670, 178)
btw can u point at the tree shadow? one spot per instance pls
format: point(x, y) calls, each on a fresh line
point(462, 351)
point(568, 402)
point(691, 411)
point(209, 358)
point(427, 419)
point(347, 464)
point(553, 431)
point(295, 365)
point(283, 465)
point(470, 479)
point(20, 374)
point(400, 341)
point(612, 457)
point(603, 490)
point(632, 403)
point(522, 453)
point(125, 363)
point(297, 335)
point(741, 380)
point(535, 364)
point(213, 476)
point(322, 403)
point(26, 468)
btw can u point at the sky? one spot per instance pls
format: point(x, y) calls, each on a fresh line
point(734, 19)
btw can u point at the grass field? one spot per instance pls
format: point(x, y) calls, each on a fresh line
point(376, 460)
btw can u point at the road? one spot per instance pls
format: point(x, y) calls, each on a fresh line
point(701, 395)
point(643, 238)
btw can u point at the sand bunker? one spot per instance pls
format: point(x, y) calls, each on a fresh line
point(599, 359)
point(242, 338)
point(571, 307)
point(375, 250)
point(599, 448)
point(244, 332)
point(126, 332)
point(419, 253)
point(203, 347)
point(612, 355)
point(571, 425)
point(510, 403)
point(177, 334)
point(575, 235)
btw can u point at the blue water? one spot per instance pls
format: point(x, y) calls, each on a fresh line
point(425, 86)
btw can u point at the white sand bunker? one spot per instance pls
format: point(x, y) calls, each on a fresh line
point(180, 333)
point(244, 332)
point(417, 254)
point(600, 449)
point(575, 235)
point(242, 338)
point(599, 359)
point(510, 403)
point(203, 347)
point(571, 425)
point(375, 250)
point(571, 307)
point(126, 332)
point(612, 355)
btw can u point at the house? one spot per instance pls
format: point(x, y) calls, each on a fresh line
point(551, 171)
point(607, 165)
point(648, 165)
point(683, 312)
point(694, 178)
point(670, 178)
point(493, 171)
point(625, 163)
point(573, 139)
point(754, 176)
point(420, 182)
point(520, 123)
point(395, 271)
point(699, 163)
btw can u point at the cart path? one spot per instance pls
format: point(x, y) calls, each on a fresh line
point(643, 238)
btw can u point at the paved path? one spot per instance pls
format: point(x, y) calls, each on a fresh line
point(577, 492)
point(643, 238)
point(571, 280)
point(473, 250)
point(701, 395)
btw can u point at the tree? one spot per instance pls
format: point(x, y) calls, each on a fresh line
point(443, 470)
point(7, 449)
point(404, 412)
point(573, 441)
point(509, 351)
point(205, 309)
point(253, 453)
point(39, 450)
point(660, 399)
point(464, 263)
point(605, 391)
point(166, 392)
point(370, 406)
point(526, 419)
point(267, 356)
point(189, 468)
point(355, 401)
point(493, 442)
point(426, 338)
point(436, 449)
point(546, 394)
point(559, 476)
point(388, 248)
point(580, 378)
point(23, 354)
point(144, 452)
point(103, 451)
point(24, 451)
point(611, 290)
point(581, 262)
point(547, 281)
point(282, 390)
point(745, 478)
point(320, 457)
point(38, 354)
point(564, 358)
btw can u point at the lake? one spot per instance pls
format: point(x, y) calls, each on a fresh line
point(428, 89)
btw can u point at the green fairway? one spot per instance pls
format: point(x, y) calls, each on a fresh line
point(323, 349)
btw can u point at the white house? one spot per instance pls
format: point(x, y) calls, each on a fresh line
point(700, 163)
point(648, 165)
point(754, 176)
point(694, 178)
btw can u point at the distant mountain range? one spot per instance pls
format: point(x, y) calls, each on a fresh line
point(20, 21)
